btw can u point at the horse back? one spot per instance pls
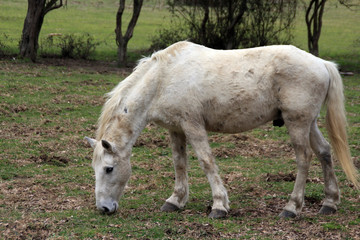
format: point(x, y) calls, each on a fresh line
point(236, 90)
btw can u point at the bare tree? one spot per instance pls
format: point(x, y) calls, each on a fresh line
point(313, 19)
point(122, 40)
point(37, 9)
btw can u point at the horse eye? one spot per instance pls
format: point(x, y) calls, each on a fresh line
point(109, 169)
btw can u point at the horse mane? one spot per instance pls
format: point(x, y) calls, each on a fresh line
point(171, 51)
point(116, 96)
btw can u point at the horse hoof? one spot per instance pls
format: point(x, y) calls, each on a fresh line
point(216, 213)
point(287, 214)
point(169, 207)
point(326, 210)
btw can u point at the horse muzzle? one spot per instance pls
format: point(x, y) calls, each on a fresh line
point(107, 207)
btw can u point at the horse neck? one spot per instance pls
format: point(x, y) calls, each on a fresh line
point(130, 117)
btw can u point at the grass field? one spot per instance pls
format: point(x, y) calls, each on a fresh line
point(94, 17)
point(337, 42)
point(47, 183)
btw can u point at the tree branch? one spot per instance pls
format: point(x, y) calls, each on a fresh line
point(51, 5)
point(237, 19)
point(349, 5)
point(136, 13)
point(118, 28)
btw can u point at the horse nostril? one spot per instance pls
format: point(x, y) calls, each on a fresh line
point(115, 206)
point(106, 210)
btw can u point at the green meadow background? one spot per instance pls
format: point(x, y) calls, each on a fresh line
point(340, 31)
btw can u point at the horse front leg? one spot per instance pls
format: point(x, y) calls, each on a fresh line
point(181, 191)
point(197, 136)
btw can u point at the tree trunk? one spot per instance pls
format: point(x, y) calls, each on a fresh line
point(205, 21)
point(233, 21)
point(122, 40)
point(32, 26)
point(37, 9)
point(313, 18)
point(122, 53)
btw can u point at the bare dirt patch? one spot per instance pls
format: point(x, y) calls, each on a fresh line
point(9, 110)
point(50, 159)
point(27, 196)
point(71, 65)
point(195, 230)
point(248, 146)
point(280, 177)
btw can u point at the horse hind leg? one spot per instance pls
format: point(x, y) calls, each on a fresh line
point(299, 133)
point(321, 149)
point(181, 191)
point(197, 136)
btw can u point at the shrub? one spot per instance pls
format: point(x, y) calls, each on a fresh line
point(229, 24)
point(68, 46)
point(166, 37)
point(4, 48)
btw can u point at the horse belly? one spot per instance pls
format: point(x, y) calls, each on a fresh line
point(239, 116)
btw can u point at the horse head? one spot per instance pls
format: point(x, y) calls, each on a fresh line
point(112, 169)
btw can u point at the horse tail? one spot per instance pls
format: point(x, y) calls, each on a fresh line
point(336, 124)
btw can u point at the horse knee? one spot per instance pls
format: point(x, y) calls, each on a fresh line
point(324, 154)
point(325, 157)
point(208, 166)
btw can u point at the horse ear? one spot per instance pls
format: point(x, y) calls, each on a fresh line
point(91, 141)
point(108, 146)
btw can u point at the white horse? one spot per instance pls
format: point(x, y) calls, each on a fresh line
point(190, 89)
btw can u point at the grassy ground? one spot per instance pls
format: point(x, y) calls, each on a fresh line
point(47, 184)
